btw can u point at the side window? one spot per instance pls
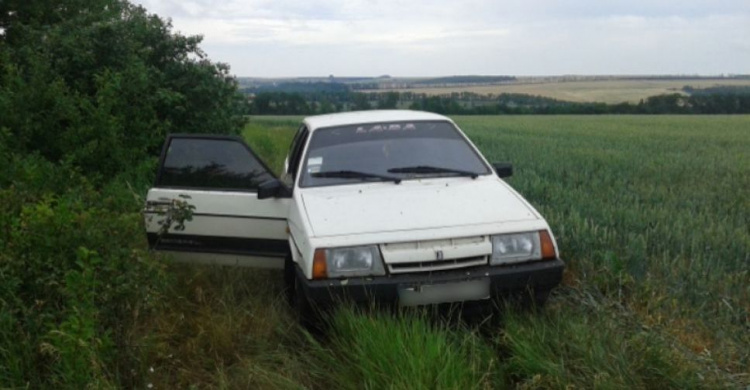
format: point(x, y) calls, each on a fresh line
point(207, 163)
point(295, 153)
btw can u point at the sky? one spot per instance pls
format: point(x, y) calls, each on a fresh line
point(403, 38)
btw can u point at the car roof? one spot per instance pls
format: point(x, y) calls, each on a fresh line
point(371, 116)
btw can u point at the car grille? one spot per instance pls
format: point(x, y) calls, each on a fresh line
point(429, 266)
point(436, 255)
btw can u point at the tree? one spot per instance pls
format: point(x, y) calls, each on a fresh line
point(361, 101)
point(388, 100)
point(99, 83)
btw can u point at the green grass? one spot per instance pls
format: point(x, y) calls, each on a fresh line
point(404, 351)
point(270, 138)
point(651, 216)
point(591, 346)
point(649, 211)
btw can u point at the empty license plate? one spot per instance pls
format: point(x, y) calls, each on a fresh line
point(427, 294)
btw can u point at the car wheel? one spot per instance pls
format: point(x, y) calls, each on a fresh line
point(530, 299)
point(307, 314)
point(289, 279)
point(540, 298)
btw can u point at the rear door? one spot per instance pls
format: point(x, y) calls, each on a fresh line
point(215, 180)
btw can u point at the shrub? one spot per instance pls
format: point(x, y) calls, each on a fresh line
point(99, 84)
point(75, 276)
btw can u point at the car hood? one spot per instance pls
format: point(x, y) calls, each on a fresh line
point(412, 205)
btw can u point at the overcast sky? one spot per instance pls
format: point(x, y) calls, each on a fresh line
point(280, 38)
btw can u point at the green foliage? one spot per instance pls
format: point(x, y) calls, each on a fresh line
point(224, 327)
point(177, 213)
point(360, 101)
point(271, 138)
point(582, 345)
point(388, 100)
point(647, 211)
point(406, 351)
point(468, 79)
point(76, 344)
point(279, 103)
point(75, 277)
point(312, 100)
point(89, 91)
point(109, 81)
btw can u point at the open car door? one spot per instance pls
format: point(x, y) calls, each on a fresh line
point(219, 176)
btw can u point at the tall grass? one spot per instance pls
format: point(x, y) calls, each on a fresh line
point(270, 138)
point(405, 351)
point(224, 328)
point(577, 343)
point(649, 211)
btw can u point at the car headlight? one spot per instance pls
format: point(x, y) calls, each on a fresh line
point(518, 247)
point(348, 262)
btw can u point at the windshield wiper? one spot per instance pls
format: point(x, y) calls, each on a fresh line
point(431, 169)
point(355, 175)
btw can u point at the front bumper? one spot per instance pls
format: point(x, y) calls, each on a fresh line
point(504, 280)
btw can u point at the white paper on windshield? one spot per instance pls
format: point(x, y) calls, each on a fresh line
point(313, 164)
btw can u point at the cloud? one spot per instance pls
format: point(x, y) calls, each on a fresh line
point(370, 37)
point(296, 32)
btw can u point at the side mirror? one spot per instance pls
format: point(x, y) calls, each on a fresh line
point(273, 188)
point(503, 169)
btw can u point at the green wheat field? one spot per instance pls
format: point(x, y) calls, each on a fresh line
point(651, 214)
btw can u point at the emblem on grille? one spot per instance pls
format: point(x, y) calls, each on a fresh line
point(439, 255)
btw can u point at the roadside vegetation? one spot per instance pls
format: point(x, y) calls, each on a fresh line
point(650, 214)
point(88, 91)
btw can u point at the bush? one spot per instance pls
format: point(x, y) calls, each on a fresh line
point(88, 92)
point(99, 84)
point(75, 276)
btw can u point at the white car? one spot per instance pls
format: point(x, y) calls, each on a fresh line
point(393, 206)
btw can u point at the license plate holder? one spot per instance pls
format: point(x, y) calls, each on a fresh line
point(434, 293)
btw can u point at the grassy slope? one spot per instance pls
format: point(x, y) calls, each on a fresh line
point(649, 213)
point(606, 91)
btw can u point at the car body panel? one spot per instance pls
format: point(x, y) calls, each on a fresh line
point(412, 205)
point(421, 220)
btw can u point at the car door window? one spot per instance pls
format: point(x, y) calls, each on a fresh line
point(211, 163)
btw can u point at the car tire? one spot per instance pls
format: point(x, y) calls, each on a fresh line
point(289, 280)
point(540, 297)
point(530, 299)
point(306, 313)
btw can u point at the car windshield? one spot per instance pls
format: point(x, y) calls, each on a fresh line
point(388, 151)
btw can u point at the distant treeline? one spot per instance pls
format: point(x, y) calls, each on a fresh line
point(250, 85)
point(299, 87)
point(465, 80)
point(719, 100)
